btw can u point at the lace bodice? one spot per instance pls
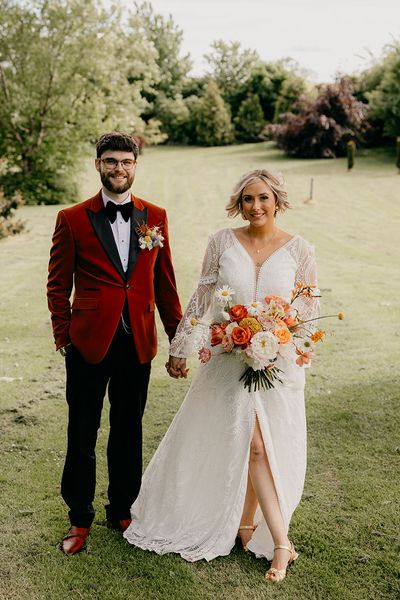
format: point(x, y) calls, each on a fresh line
point(226, 262)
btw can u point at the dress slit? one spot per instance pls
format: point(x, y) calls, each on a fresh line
point(259, 517)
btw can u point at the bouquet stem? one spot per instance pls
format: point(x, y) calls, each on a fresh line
point(262, 379)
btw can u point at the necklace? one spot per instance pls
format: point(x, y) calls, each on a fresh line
point(258, 250)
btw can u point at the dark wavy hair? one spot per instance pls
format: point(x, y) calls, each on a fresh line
point(116, 140)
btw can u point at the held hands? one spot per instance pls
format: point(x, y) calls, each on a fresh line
point(176, 367)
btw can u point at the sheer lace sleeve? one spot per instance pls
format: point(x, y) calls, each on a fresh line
point(188, 338)
point(309, 308)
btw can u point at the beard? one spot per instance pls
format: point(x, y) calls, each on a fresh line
point(114, 186)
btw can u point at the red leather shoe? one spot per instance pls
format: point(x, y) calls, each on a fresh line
point(120, 524)
point(75, 540)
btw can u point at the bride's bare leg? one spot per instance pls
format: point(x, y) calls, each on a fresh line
point(264, 488)
point(249, 509)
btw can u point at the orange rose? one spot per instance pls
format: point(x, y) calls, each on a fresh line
point(217, 333)
point(238, 312)
point(241, 335)
point(284, 336)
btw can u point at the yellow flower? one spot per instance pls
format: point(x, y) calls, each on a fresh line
point(148, 232)
point(340, 316)
point(147, 238)
point(251, 323)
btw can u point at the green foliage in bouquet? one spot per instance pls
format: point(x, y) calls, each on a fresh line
point(260, 379)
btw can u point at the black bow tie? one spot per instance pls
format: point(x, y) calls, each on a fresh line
point(125, 209)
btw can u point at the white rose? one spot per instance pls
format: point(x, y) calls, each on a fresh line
point(264, 346)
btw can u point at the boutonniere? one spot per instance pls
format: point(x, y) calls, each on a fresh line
point(149, 237)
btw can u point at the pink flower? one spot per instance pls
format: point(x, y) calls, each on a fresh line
point(204, 355)
point(267, 322)
point(304, 357)
point(227, 343)
point(279, 301)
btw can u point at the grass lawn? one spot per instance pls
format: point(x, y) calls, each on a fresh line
point(346, 528)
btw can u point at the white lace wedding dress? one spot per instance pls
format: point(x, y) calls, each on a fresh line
point(193, 490)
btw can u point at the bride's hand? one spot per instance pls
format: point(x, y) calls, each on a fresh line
point(176, 367)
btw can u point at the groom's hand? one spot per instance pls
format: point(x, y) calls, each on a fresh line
point(176, 367)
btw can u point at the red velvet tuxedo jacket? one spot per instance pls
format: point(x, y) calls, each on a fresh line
point(84, 256)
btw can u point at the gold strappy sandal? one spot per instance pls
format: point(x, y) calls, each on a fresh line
point(278, 575)
point(246, 528)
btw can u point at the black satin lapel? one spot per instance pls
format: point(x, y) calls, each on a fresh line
point(103, 230)
point(138, 217)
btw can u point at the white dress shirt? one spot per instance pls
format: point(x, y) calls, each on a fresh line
point(121, 230)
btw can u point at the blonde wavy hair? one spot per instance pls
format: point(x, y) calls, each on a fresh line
point(274, 181)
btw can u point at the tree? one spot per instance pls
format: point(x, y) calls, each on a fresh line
point(249, 122)
point(173, 114)
point(241, 73)
point(188, 130)
point(290, 91)
point(166, 38)
point(324, 125)
point(384, 100)
point(231, 68)
point(284, 81)
point(63, 81)
point(164, 101)
point(259, 83)
point(213, 120)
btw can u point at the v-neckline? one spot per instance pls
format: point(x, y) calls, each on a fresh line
point(256, 267)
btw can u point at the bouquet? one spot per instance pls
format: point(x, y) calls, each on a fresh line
point(260, 332)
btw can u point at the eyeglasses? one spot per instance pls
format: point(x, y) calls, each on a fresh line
point(112, 163)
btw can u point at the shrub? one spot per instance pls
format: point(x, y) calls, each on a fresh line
point(8, 224)
point(323, 127)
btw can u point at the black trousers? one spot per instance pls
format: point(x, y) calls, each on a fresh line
point(127, 382)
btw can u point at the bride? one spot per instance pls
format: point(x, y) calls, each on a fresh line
point(233, 462)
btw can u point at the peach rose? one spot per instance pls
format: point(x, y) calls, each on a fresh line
point(241, 335)
point(284, 336)
point(217, 333)
point(227, 343)
point(238, 312)
point(278, 300)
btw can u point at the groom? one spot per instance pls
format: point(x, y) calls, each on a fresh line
point(107, 331)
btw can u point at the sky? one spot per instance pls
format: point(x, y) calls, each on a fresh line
point(323, 36)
